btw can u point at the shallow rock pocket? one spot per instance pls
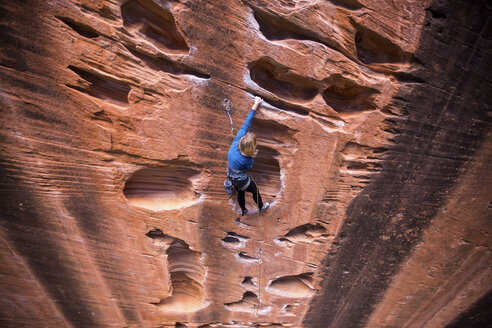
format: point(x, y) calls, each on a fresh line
point(166, 187)
point(154, 23)
point(298, 286)
point(266, 172)
point(186, 273)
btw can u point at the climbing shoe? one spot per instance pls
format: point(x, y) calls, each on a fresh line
point(244, 212)
point(265, 207)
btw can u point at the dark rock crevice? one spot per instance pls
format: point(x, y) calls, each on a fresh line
point(154, 22)
point(266, 171)
point(478, 315)
point(159, 63)
point(348, 4)
point(278, 79)
point(346, 96)
point(275, 27)
point(81, 28)
point(288, 107)
point(45, 256)
point(249, 303)
point(360, 266)
point(101, 87)
point(373, 48)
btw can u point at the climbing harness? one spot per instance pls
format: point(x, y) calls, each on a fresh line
point(228, 111)
point(235, 174)
point(229, 182)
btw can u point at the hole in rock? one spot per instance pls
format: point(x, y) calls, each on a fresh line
point(390, 126)
point(186, 274)
point(278, 79)
point(406, 77)
point(248, 303)
point(278, 28)
point(293, 286)
point(101, 87)
point(295, 109)
point(374, 48)
point(243, 257)
point(180, 325)
point(266, 172)
point(164, 188)
point(362, 166)
point(269, 132)
point(356, 150)
point(345, 96)
point(283, 241)
point(156, 234)
point(80, 28)
point(101, 116)
point(305, 233)
point(234, 240)
point(230, 239)
point(349, 4)
point(248, 282)
point(436, 13)
point(287, 308)
point(167, 66)
point(155, 22)
point(380, 150)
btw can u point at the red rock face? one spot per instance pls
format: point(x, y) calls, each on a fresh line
point(373, 150)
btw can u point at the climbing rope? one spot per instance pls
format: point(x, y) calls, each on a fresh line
point(228, 111)
point(259, 268)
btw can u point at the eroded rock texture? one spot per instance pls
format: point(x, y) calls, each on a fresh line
point(374, 150)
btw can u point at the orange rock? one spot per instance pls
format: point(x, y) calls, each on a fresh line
point(114, 143)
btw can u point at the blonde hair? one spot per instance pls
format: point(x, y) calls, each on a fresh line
point(247, 144)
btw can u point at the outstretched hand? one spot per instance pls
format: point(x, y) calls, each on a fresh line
point(258, 101)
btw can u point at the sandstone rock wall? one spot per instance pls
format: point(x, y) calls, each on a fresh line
point(374, 151)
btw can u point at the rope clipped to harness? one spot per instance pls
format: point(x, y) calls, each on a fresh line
point(228, 111)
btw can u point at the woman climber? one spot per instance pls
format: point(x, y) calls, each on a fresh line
point(240, 160)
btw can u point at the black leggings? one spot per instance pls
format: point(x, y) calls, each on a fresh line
point(252, 188)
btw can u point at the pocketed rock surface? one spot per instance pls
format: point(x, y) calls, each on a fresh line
point(374, 151)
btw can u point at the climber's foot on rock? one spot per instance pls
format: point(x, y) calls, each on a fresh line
point(265, 207)
point(244, 212)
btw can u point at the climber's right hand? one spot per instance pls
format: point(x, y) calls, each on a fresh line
point(258, 101)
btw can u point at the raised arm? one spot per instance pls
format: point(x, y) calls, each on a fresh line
point(245, 127)
point(258, 101)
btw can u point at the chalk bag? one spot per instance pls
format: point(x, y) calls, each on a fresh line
point(228, 186)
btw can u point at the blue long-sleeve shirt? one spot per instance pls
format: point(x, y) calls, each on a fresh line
point(235, 159)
